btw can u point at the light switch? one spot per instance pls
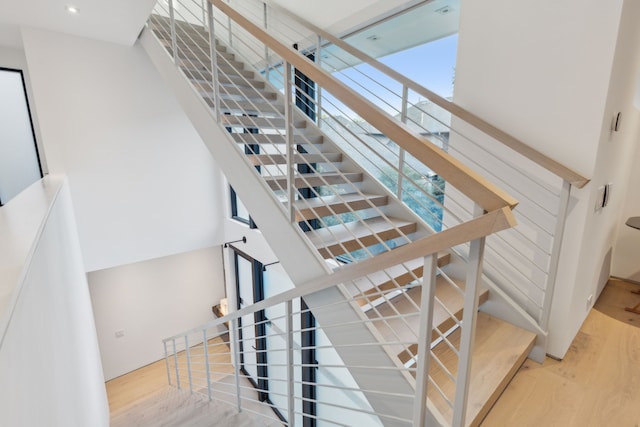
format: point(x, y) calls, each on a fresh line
point(599, 198)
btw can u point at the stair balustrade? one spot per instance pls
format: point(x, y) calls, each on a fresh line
point(521, 263)
point(377, 192)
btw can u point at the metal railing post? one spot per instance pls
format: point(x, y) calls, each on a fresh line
point(267, 62)
point(204, 13)
point(214, 63)
point(188, 355)
point(288, 114)
point(318, 58)
point(401, 154)
point(469, 316)
point(235, 336)
point(290, 376)
point(424, 340)
point(174, 41)
point(205, 343)
point(175, 361)
point(554, 262)
point(166, 360)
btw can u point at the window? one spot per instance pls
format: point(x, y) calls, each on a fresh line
point(238, 210)
point(19, 159)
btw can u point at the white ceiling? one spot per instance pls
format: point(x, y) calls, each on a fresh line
point(421, 25)
point(120, 21)
point(383, 26)
point(117, 21)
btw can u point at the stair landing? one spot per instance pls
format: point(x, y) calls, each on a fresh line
point(499, 351)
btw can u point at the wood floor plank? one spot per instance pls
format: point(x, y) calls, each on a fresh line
point(617, 295)
point(500, 349)
point(596, 384)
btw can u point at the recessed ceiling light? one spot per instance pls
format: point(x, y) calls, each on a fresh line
point(443, 10)
point(373, 37)
point(72, 9)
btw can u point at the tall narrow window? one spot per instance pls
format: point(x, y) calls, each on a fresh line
point(19, 159)
point(238, 211)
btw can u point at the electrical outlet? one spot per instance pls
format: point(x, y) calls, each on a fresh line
point(120, 333)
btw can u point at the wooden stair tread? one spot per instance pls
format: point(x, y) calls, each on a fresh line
point(202, 66)
point(204, 77)
point(407, 303)
point(369, 287)
point(342, 238)
point(252, 106)
point(228, 91)
point(499, 351)
point(200, 55)
point(318, 207)
point(257, 122)
point(261, 138)
point(306, 158)
point(314, 180)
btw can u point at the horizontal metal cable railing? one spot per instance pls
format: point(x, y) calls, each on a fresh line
point(329, 216)
point(262, 373)
point(278, 140)
point(268, 152)
point(522, 261)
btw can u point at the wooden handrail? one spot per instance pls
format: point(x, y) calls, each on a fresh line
point(510, 141)
point(476, 228)
point(474, 186)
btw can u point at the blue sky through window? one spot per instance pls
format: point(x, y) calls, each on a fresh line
point(432, 64)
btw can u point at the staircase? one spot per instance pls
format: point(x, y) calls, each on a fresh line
point(348, 216)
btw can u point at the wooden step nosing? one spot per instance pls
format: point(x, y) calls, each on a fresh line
point(262, 138)
point(315, 180)
point(369, 201)
point(361, 237)
point(280, 159)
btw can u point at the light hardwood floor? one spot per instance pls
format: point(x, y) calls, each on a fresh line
point(137, 385)
point(597, 384)
point(142, 383)
point(615, 297)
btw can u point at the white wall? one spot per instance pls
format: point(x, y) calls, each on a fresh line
point(150, 301)
point(49, 359)
point(626, 252)
point(543, 72)
point(143, 184)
